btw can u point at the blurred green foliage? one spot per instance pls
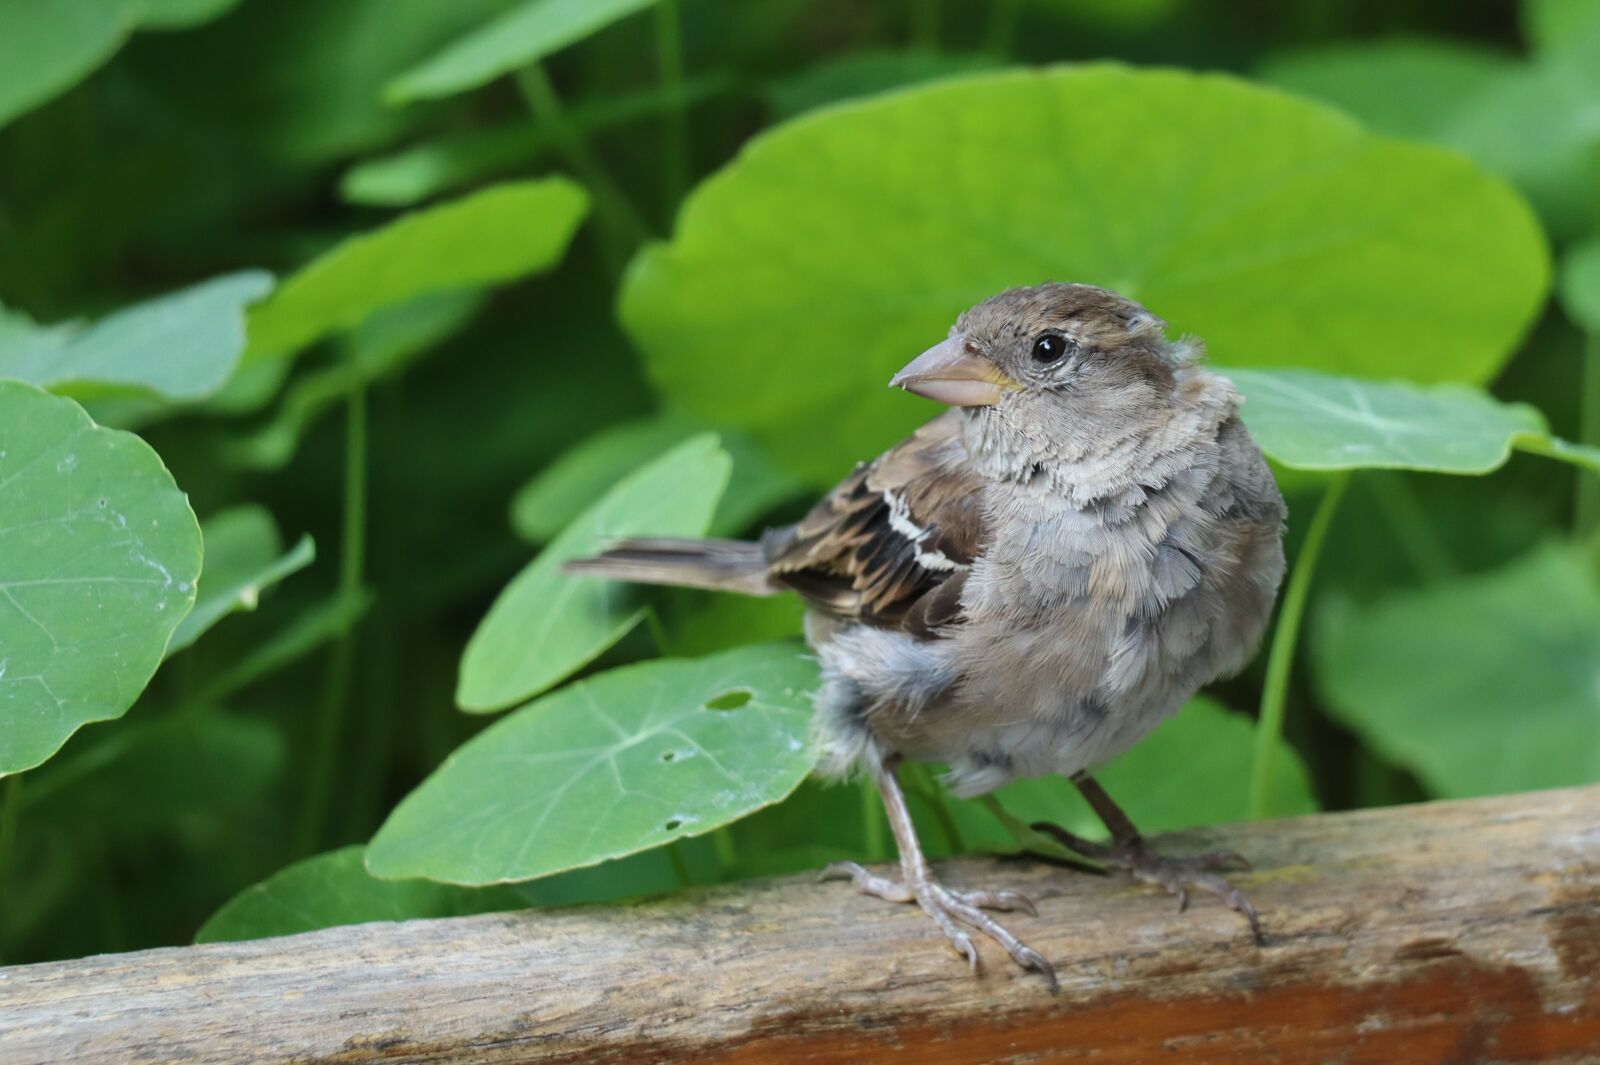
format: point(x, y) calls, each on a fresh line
point(660, 260)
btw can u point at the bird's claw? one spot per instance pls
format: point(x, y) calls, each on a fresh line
point(947, 907)
point(1177, 875)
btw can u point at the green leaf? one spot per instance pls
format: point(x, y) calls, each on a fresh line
point(493, 235)
point(336, 889)
point(617, 763)
point(1193, 770)
point(243, 555)
point(1406, 88)
point(182, 347)
point(523, 35)
point(46, 46)
point(1481, 685)
point(559, 492)
point(99, 554)
point(386, 342)
point(1550, 24)
point(308, 73)
point(1313, 421)
point(1580, 285)
point(1274, 228)
point(547, 624)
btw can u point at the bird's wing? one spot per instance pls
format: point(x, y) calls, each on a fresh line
point(891, 545)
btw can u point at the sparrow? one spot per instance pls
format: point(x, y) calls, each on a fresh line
point(1029, 584)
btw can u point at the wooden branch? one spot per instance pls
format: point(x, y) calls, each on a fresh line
point(1448, 932)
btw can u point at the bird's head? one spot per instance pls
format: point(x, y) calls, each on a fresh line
point(1055, 366)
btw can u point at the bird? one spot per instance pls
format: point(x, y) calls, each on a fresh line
point(1028, 584)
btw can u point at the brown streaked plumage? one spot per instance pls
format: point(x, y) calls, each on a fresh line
point(1031, 582)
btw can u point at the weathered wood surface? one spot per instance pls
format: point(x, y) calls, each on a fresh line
point(1450, 932)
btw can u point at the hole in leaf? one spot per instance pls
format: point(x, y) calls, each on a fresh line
point(674, 824)
point(730, 700)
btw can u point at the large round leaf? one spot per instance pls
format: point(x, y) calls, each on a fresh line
point(99, 554)
point(1316, 421)
point(336, 889)
point(841, 244)
point(617, 763)
point(1481, 685)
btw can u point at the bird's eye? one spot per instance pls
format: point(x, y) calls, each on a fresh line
point(1049, 348)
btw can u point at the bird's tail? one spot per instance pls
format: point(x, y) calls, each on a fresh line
point(720, 565)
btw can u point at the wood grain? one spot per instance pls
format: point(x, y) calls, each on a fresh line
point(1439, 933)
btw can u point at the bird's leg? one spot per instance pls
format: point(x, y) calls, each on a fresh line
point(949, 909)
point(1129, 852)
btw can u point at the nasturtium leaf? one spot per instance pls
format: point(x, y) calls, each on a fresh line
point(547, 624)
point(523, 35)
point(1551, 24)
point(1488, 683)
point(1406, 88)
point(336, 889)
point(1276, 229)
point(99, 554)
point(48, 45)
point(1580, 285)
point(559, 492)
point(607, 766)
point(496, 234)
point(243, 555)
point(1315, 421)
point(181, 347)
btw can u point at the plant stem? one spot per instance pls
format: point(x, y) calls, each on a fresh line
point(675, 127)
point(341, 660)
point(1003, 17)
point(925, 25)
point(1586, 511)
point(680, 864)
point(727, 852)
point(875, 842)
point(10, 815)
point(1280, 660)
point(1412, 531)
point(919, 780)
point(625, 228)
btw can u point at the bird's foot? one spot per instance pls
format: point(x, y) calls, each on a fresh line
point(1178, 875)
point(950, 909)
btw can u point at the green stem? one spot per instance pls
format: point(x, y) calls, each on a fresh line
point(1412, 531)
point(675, 130)
point(680, 864)
point(1280, 660)
point(1003, 18)
point(341, 661)
point(10, 815)
point(625, 228)
point(727, 852)
point(925, 25)
point(873, 828)
point(1586, 512)
point(658, 634)
point(920, 781)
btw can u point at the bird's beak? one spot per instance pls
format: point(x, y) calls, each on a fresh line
point(954, 372)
